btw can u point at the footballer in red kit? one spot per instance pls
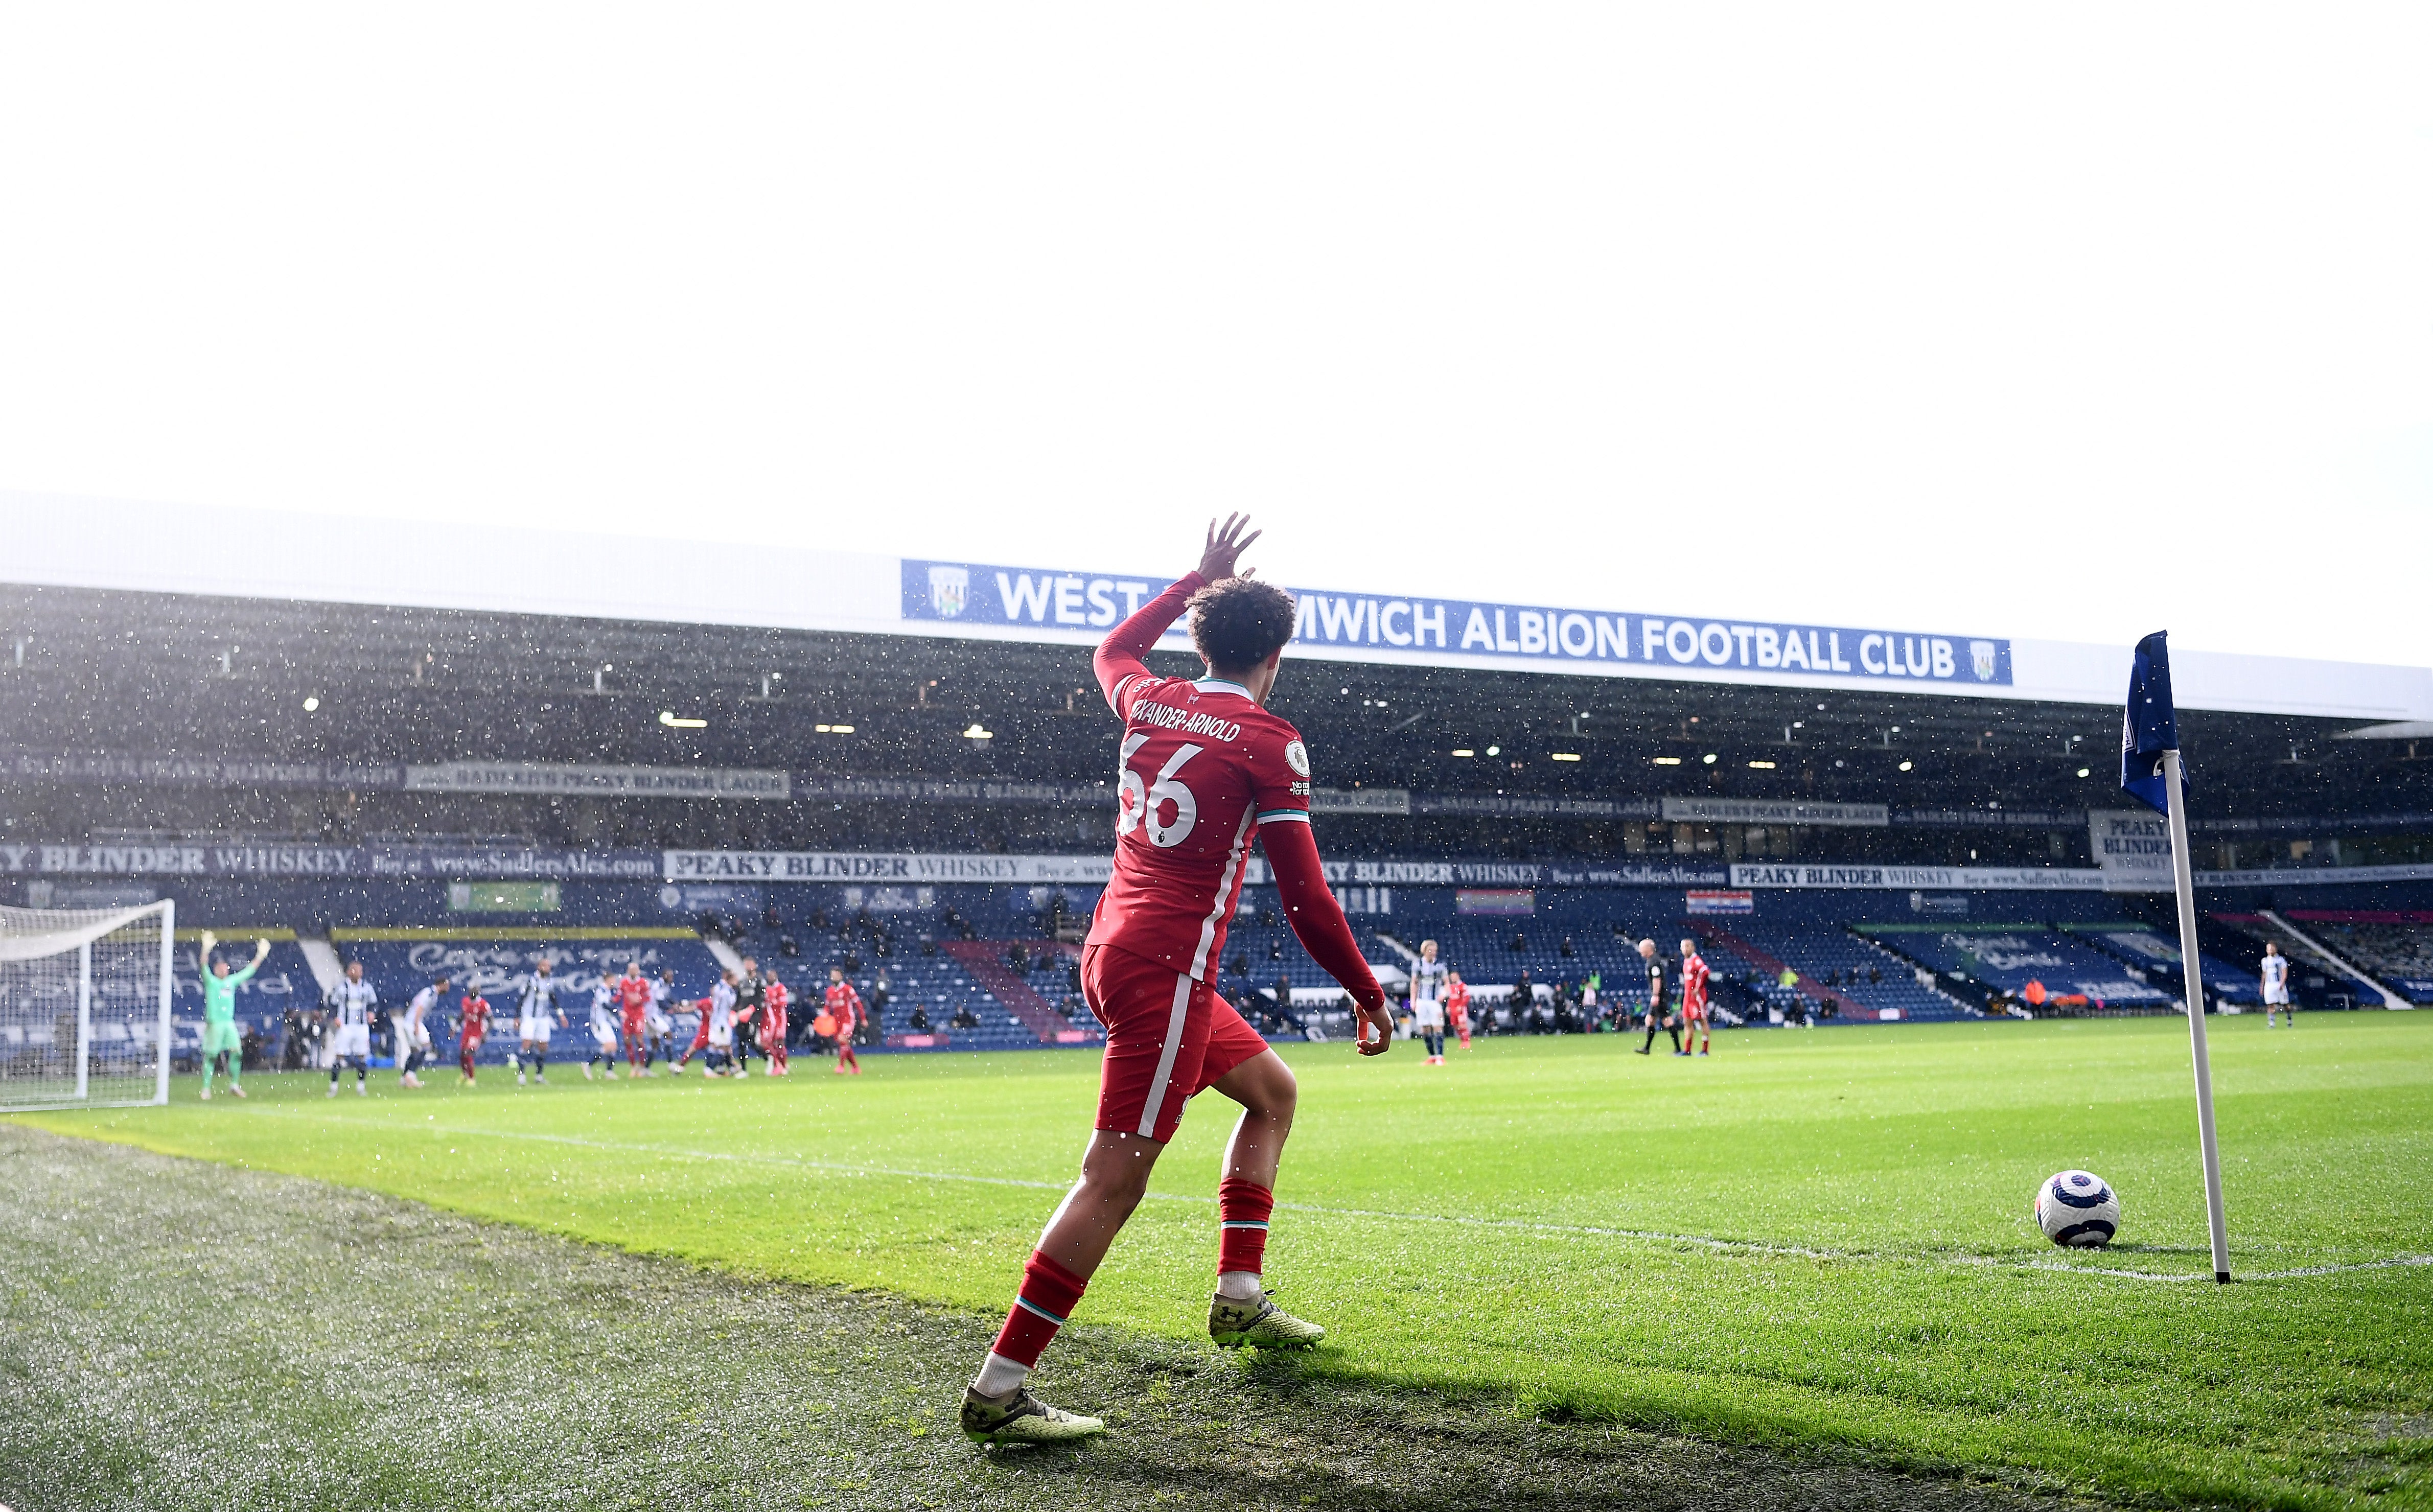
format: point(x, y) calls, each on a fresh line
point(773, 1024)
point(473, 1027)
point(1203, 768)
point(1694, 1000)
point(843, 1004)
point(632, 1007)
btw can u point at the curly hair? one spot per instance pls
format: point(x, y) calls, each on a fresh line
point(1240, 622)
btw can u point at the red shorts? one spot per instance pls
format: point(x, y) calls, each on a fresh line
point(1695, 1011)
point(1168, 1039)
point(631, 1020)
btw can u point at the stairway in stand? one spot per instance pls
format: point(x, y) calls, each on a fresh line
point(985, 960)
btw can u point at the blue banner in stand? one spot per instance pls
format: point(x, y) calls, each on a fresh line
point(1058, 604)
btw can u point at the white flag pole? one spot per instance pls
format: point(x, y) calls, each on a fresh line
point(2184, 882)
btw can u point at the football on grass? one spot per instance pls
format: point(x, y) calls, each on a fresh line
point(2078, 1209)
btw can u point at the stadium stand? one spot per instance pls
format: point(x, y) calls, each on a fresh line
point(977, 967)
point(2396, 945)
point(2142, 948)
point(139, 675)
point(2316, 979)
point(1988, 781)
point(1838, 975)
point(2035, 962)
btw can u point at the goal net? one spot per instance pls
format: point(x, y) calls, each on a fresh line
point(84, 1006)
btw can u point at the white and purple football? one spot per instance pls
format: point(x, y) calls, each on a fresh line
point(2078, 1209)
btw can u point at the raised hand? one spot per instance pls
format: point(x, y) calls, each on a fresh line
point(1225, 545)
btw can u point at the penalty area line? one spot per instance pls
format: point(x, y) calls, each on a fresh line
point(1757, 1247)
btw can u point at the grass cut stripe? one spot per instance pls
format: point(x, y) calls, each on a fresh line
point(1644, 1236)
point(406, 1360)
point(1485, 1226)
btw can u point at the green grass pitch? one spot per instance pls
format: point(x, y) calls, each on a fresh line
point(1819, 1241)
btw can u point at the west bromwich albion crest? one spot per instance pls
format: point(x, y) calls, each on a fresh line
point(947, 586)
point(1981, 657)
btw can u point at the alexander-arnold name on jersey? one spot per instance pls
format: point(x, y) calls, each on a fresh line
point(1186, 720)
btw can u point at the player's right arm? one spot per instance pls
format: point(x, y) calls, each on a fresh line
point(1119, 662)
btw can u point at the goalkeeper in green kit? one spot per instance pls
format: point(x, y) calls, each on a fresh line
point(220, 1013)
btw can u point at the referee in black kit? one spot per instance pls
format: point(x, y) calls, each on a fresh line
point(1656, 1017)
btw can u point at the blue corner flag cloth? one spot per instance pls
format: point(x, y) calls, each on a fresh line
point(2151, 726)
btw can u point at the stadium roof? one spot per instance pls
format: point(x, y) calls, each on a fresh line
point(74, 542)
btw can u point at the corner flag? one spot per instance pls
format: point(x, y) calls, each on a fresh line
point(2152, 772)
point(2152, 726)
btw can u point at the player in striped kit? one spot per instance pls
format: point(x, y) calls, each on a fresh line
point(1427, 1000)
point(1202, 764)
point(715, 1033)
point(657, 1021)
point(1693, 999)
point(604, 1027)
point(414, 1031)
point(535, 1008)
point(751, 994)
point(353, 1001)
point(2275, 981)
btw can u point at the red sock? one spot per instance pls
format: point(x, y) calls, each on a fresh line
point(1048, 1295)
point(1242, 1209)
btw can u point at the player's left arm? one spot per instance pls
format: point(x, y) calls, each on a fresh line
point(1318, 922)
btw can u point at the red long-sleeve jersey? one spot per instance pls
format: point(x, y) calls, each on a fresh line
point(1693, 983)
point(633, 995)
point(1203, 765)
point(843, 1005)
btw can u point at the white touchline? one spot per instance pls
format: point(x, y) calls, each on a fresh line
point(1757, 1247)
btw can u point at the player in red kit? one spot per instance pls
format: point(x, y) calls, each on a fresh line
point(1203, 765)
point(473, 1027)
point(632, 1007)
point(1693, 998)
point(773, 1024)
point(843, 1004)
point(1458, 1007)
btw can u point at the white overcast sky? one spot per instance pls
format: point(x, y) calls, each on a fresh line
point(2057, 322)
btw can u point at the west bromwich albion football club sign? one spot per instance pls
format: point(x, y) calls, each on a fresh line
point(1067, 606)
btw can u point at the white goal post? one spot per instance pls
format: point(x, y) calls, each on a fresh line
point(85, 1006)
